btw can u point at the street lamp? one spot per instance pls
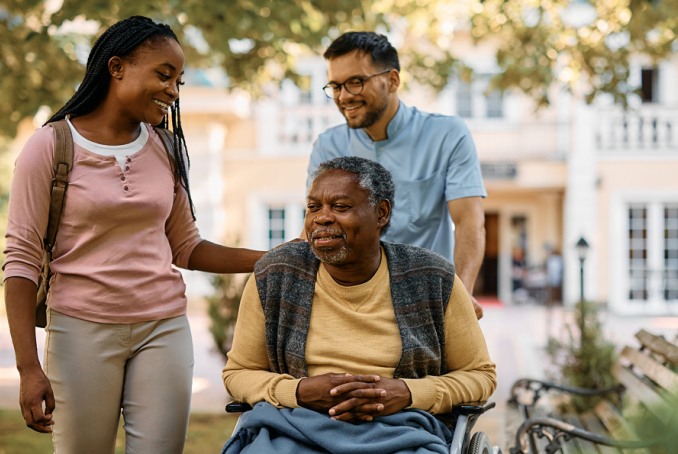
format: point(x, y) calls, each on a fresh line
point(582, 250)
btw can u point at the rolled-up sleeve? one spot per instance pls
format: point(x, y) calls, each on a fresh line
point(463, 176)
point(29, 200)
point(181, 230)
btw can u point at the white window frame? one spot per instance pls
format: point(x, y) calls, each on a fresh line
point(258, 204)
point(619, 300)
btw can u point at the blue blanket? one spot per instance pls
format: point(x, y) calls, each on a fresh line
point(268, 430)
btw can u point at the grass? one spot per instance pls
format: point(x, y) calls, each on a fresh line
point(206, 434)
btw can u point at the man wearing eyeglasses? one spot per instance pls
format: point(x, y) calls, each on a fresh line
point(431, 157)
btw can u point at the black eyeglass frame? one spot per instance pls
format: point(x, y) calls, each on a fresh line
point(334, 86)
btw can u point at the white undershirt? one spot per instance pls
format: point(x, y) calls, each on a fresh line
point(119, 152)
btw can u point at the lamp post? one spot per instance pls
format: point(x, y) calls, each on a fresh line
point(582, 250)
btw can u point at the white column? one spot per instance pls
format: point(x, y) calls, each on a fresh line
point(478, 102)
point(580, 205)
point(268, 124)
point(294, 220)
point(505, 262)
point(257, 217)
point(447, 102)
point(563, 108)
point(668, 88)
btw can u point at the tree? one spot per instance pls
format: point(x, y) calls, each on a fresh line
point(222, 308)
point(259, 40)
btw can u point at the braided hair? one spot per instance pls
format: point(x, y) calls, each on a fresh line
point(121, 40)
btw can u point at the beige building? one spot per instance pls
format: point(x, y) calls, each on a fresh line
point(553, 176)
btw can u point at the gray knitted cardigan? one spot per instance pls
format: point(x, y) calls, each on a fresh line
point(421, 284)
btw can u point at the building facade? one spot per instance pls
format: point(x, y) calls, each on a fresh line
point(568, 171)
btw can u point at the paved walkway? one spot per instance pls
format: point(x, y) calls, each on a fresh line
point(516, 337)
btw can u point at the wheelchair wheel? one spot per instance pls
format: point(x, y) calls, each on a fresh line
point(480, 444)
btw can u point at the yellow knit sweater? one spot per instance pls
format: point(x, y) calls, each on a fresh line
point(354, 330)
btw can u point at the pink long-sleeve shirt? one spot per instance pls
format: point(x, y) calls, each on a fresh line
point(121, 231)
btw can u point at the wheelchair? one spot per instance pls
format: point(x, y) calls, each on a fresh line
point(461, 420)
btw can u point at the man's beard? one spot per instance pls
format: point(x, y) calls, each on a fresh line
point(372, 115)
point(325, 254)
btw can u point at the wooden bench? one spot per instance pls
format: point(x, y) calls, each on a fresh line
point(647, 375)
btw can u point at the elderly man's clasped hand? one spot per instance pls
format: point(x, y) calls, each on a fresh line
point(353, 398)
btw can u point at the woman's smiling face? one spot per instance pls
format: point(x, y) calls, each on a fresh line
point(148, 80)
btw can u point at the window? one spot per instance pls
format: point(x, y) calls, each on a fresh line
point(474, 102)
point(464, 100)
point(670, 278)
point(638, 266)
point(495, 104)
point(649, 85)
point(276, 227)
point(309, 129)
point(645, 281)
point(305, 95)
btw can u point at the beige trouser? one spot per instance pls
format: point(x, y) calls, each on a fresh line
point(97, 369)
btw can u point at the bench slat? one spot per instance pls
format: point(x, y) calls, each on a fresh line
point(653, 401)
point(659, 345)
point(585, 446)
point(616, 426)
point(592, 424)
point(661, 375)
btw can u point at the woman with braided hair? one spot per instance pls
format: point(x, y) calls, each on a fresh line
point(117, 333)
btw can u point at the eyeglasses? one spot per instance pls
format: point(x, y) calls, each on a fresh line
point(354, 85)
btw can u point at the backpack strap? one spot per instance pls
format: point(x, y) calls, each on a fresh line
point(62, 164)
point(167, 139)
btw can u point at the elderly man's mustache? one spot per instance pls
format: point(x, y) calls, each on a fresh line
point(324, 233)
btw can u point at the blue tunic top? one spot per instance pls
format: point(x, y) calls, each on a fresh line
point(432, 159)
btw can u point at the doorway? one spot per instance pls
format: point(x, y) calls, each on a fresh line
point(487, 282)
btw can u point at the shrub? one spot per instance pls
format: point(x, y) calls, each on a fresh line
point(223, 308)
point(585, 362)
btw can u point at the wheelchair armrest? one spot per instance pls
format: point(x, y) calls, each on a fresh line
point(465, 416)
point(472, 408)
point(238, 407)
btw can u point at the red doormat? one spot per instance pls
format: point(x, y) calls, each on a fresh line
point(490, 302)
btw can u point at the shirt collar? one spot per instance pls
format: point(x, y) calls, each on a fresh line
point(395, 126)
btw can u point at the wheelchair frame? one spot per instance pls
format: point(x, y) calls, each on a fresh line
point(463, 417)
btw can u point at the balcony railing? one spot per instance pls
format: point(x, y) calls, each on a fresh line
point(292, 130)
point(650, 129)
point(303, 124)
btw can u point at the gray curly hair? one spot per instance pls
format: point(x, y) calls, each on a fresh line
point(373, 177)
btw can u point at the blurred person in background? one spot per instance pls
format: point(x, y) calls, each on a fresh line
point(117, 333)
point(554, 274)
point(431, 157)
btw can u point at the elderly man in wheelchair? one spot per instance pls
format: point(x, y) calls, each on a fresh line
point(346, 344)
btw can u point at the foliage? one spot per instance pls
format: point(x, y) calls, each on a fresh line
point(584, 364)
point(569, 42)
point(223, 308)
point(647, 426)
point(206, 433)
point(42, 43)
